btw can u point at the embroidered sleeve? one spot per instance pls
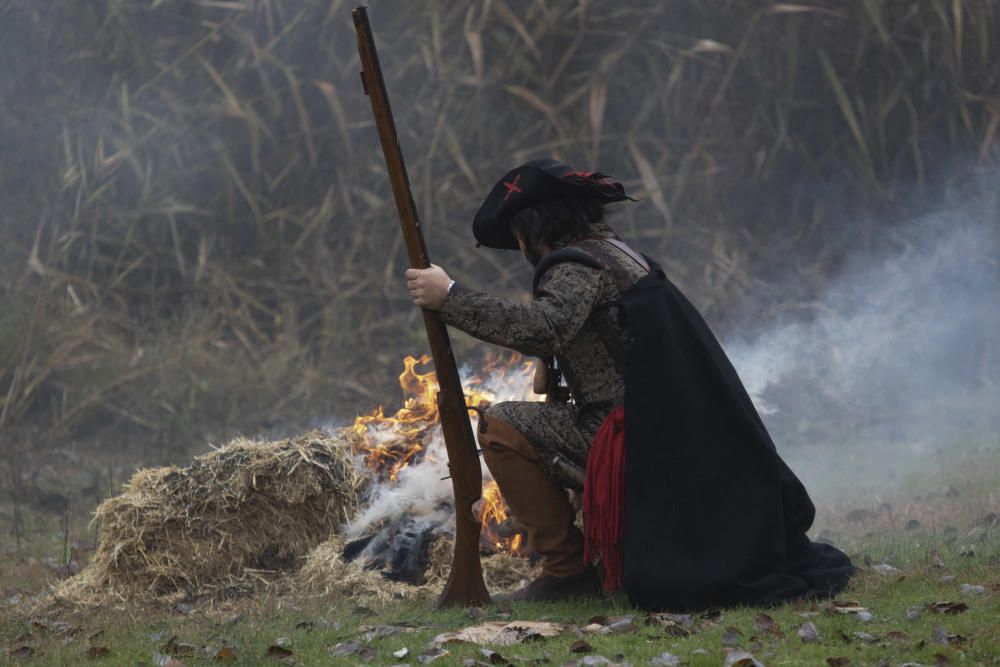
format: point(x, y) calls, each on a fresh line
point(566, 296)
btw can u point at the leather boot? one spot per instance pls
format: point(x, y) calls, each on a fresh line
point(543, 508)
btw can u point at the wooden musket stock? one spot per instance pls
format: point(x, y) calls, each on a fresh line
point(465, 582)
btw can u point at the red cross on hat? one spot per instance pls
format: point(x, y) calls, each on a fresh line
point(511, 187)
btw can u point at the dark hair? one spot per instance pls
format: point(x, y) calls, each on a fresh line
point(555, 220)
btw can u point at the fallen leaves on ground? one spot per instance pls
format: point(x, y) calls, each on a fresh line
point(740, 658)
point(432, 654)
point(345, 649)
point(808, 633)
point(677, 625)
point(21, 652)
point(370, 632)
point(604, 625)
point(177, 649)
point(971, 589)
point(95, 652)
point(502, 633)
point(226, 654)
point(665, 659)
point(764, 624)
point(732, 636)
point(948, 607)
point(493, 657)
point(942, 636)
point(55, 627)
point(278, 651)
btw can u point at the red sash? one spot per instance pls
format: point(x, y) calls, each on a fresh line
point(603, 493)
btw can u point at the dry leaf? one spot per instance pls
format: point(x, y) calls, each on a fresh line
point(621, 624)
point(732, 636)
point(160, 660)
point(278, 651)
point(430, 655)
point(665, 659)
point(343, 649)
point(948, 607)
point(493, 657)
point(502, 633)
point(767, 625)
point(95, 652)
point(808, 633)
point(843, 606)
point(942, 636)
point(740, 658)
point(580, 646)
point(226, 654)
point(971, 589)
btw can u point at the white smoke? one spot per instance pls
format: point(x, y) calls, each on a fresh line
point(902, 345)
point(423, 490)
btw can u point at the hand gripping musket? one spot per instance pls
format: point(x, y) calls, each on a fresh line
point(465, 582)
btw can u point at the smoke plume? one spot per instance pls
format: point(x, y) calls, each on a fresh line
point(899, 355)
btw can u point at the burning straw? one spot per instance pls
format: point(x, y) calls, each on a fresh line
point(326, 573)
point(222, 526)
point(244, 515)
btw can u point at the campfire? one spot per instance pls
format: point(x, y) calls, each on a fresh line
point(404, 455)
point(361, 507)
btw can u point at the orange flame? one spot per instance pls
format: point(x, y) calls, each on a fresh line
point(494, 522)
point(390, 444)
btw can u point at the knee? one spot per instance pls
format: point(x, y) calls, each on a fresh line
point(500, 440)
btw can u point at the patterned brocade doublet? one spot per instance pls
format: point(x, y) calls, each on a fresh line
point(574, 318)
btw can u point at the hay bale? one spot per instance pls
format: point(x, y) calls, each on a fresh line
point(222, 526)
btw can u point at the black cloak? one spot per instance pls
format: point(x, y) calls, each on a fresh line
point(713, 516)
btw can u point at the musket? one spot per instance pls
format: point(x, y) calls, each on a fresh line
point(465, 584)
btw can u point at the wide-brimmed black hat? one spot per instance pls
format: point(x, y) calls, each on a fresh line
point(533, 182)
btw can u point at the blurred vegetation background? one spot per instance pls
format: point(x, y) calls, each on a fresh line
point(197, 235)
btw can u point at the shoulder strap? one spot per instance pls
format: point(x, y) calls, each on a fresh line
point(562, 255)
point(632, 254)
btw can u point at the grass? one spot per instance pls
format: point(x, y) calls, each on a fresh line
point(942, 533)
point(314, 628)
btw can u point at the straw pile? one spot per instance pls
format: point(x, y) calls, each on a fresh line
point(223, 526)
point(326, 573)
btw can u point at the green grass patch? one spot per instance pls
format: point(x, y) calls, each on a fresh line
point(904, 627)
